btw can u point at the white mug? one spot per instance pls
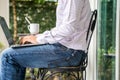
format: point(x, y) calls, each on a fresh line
point(33, 28)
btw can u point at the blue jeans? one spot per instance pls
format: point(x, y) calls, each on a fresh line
point(13, 61)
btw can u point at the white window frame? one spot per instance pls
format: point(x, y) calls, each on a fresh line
point(118, 41)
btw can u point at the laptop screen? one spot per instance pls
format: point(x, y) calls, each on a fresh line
point(6, 31)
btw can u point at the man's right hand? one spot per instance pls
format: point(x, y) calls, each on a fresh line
point(28, 39)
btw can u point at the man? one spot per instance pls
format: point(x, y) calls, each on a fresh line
point(64, 45)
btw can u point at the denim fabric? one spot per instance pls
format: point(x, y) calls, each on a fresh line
point(13, 61)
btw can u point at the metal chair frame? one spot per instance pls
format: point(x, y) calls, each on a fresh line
point(76, 72)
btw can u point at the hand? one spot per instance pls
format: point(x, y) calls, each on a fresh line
point(28, 39)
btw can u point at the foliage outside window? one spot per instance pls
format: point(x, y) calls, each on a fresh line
point(106, 40)
point(44, 14)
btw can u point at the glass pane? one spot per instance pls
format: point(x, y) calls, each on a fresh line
point(106, 40)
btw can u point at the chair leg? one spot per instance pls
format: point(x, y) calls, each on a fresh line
point(32, 74)
point(83, 75)
point(42, 73)
point(79, 75)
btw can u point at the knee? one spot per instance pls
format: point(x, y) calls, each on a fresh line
point(6, 54)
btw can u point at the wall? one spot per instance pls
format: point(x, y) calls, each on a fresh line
point(3, 39)
point(91, 69)
point(4, 11)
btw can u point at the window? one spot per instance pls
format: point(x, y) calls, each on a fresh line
point(106, 40)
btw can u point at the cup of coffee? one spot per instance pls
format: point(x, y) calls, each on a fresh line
point(33, 28)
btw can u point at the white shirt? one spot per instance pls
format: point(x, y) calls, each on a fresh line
point(73, 17)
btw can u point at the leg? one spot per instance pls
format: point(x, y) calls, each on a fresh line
point(9, 69)
point(14, 61)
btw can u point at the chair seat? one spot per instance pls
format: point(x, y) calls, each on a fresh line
point(62, 69)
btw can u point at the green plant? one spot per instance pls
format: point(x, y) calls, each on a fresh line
point(1, 45)
point(106, 63)
point(111, 50)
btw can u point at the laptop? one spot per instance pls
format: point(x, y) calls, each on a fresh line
point(9, 36)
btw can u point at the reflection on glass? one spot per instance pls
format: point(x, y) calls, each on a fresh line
point(106, 40)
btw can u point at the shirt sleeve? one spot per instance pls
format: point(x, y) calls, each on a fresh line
point(71, 16)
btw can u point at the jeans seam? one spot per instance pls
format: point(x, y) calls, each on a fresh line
point(27, 53)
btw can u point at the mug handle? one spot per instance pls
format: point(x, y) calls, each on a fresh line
point(28, 27)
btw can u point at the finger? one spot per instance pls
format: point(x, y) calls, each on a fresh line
point(21, 41)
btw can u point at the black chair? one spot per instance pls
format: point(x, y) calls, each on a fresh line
point(77, 71)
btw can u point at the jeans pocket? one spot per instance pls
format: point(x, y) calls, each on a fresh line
point(75, 59)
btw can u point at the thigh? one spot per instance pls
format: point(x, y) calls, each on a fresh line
point(37, 56)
